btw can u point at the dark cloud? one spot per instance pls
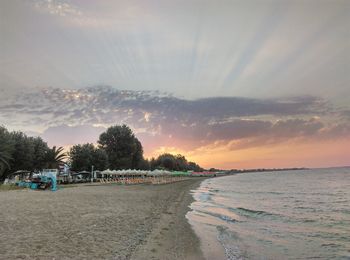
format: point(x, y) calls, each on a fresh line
point(231, 106)
point(104, 104)
point(345, 114)
point(296, 127)
point(247, 129)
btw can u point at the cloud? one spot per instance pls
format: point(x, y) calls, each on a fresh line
point(57, 7)
point(105, 105)
point(94, 15)
point(160, 119)
point(345, 114)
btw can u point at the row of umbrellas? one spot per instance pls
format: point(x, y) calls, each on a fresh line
point(131, 172)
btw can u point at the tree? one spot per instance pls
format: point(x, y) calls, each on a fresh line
point(40, 153)
point(20, 152)
point(23, 155)
point(137, 158)
point(54, 157)
point(173, 163)
point(194, 167)
point(153, 164)
point(100, 159)
point(122, 147)
point(82, 157)
point(181, 163)
point(4, 161)
point(6, 150)
point(166, 161)
point(144, 165)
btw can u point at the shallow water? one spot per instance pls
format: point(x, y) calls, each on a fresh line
point(274, 215)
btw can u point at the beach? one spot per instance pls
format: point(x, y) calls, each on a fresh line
point(99, 222)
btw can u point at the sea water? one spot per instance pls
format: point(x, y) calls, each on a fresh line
point(301, 214)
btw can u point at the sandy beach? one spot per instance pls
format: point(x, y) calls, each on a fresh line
point(99, 222)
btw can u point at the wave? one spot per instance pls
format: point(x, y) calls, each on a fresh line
point(253, 213)
point(217, 215)
point(259, 212)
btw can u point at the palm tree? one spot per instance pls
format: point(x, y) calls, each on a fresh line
point(55, 156)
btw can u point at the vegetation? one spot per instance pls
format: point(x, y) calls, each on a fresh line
point(123, 149)
point(54, 157)
point(23, 154)
point(20, 152)
point(40, 153)
point(6, 150)
point(118, 148)
point(83, 156)
point(10, 187)
point(173, 163)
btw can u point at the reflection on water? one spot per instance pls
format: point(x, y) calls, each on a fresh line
point(274, 215)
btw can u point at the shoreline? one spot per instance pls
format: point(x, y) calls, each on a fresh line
point(100, 222)
point(205, 229)
point(173, 237)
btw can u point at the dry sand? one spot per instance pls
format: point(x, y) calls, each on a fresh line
point(99, 222)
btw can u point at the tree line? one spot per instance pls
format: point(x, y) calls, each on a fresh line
point(173, 163)
point(21, 152)
point(117, 148)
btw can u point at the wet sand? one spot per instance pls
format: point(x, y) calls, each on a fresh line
point(99, 222)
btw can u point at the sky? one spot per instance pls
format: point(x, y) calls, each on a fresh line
point(229, 84)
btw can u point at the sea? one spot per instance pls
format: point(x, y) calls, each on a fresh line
point(303, 214)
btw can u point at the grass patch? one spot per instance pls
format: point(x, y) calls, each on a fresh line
point(7, 187)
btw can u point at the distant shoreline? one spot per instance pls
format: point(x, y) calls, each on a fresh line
point(233, 171)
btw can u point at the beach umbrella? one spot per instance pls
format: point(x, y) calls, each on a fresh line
point(84, 172)
point(21, 172)
point(106, 172)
